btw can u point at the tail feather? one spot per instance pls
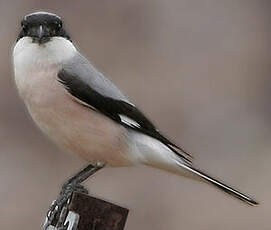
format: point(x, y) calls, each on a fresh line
point(219, 184)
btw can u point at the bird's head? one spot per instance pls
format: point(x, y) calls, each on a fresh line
point(42, 27)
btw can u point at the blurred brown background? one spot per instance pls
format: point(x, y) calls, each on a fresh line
point(200, 69)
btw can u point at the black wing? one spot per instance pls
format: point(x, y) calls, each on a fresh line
point(115, 109)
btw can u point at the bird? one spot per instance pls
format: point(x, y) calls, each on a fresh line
point(84, 112)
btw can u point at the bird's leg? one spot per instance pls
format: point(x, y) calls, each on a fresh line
point(71, 185)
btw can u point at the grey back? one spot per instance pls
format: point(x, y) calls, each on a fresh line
point(80, 67)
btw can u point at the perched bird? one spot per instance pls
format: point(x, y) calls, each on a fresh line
point(84, 112)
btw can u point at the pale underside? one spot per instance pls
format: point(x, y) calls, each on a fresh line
point(70, 124)
point(79, 128)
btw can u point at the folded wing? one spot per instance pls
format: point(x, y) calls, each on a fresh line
point(91, 88)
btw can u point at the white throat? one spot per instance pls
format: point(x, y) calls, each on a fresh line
point(36, 66)
point(27, 54)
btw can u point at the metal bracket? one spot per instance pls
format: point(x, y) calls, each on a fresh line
point(71, 222)
point(84, 212)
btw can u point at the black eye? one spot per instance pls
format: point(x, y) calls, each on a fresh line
point(56, 26)
point(59, 25)
point(24, 28)
point(23, 25)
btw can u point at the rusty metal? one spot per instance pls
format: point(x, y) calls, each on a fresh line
point(97, 214)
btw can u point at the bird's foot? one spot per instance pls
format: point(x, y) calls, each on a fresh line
point(58, 208)
point(63, 199)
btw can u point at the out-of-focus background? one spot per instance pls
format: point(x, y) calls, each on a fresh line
point(200, 69)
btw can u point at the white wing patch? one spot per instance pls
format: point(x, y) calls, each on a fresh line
point(128, 121)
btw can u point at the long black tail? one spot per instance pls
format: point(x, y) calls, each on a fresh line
point(220, 185)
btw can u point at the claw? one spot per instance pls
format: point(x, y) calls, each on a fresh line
point(72, 185)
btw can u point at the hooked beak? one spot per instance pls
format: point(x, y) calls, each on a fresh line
point(41, 35)
point(40, 32)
